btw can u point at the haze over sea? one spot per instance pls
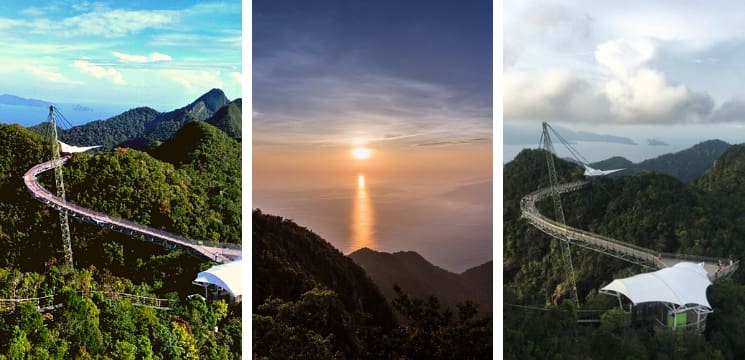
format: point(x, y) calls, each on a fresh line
point(32, 115)
point(445, 217)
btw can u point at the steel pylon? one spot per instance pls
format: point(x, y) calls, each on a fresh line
point(60, 184)
point(566, 251)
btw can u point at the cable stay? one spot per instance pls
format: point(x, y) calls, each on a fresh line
point(566, 251)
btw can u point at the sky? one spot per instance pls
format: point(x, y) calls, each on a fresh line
point(156, 53)
point(409, 80)
point(665, 70)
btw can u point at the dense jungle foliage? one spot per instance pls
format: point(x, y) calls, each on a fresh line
point(91, 324)
point(195, 192)
point(651, 210)
point(312, 302)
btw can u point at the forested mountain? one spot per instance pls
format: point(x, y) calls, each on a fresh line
point(199, 198)
point(111, 132)
point(165, 125)
point(229, 119)
point(311, 301)
point(652, 210)
point(686, 165)
point(419, 278)
point(145, 128)
point(90, 324)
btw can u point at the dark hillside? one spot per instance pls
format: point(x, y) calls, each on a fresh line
point(419, 278)
point(290, 260)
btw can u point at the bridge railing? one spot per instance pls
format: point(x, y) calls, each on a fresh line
point(48, 302)
point(530, 211)
point(31, 175)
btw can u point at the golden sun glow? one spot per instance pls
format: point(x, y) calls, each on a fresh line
point(361, 153)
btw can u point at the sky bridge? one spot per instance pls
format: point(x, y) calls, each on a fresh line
point(220, 252)
point(716, 268)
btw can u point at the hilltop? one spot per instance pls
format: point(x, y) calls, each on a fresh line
point(144, 128)
point(653, 210)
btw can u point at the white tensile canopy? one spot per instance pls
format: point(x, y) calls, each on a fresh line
point(682, 284)
point(225, 276)
point(65, 148)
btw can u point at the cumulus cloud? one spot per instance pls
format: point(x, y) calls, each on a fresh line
point(99, 71)
point(552, 95)
point(154, 57)
point(632, 93)
point(732, 110)
point(640, 94)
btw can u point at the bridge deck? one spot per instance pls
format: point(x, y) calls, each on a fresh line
point(217, 252)
point(717, 268)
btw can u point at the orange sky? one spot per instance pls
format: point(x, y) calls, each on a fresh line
point(323, 166)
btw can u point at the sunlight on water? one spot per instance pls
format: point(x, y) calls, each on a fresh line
point(363, 219)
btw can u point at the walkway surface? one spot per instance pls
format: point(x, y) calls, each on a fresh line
point(717, 268)
point(220, 252)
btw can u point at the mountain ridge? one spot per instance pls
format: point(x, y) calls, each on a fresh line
point(141, 128)
point(686, 165)
point(418, 277)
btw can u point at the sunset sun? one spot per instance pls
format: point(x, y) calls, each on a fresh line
point(361, 153)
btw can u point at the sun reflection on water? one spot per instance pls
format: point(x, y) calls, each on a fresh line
point(363, 219)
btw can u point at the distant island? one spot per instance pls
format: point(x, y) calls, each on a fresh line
point(655, 142)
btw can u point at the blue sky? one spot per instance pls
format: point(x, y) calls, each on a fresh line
point(665, 69)
point(342, 72)
point(161, 54)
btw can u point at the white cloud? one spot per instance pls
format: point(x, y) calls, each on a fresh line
point(552, 95)
point(153, 57)
point(48, 74)
point(130, 58)
point(100, 22)
point(237, 76)
point(632, 92)
point(639, 94)
point(622, 56)
point(100, 71)
point(156, 56)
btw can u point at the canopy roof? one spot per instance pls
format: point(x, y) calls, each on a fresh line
point(682, 284)
point(74, 149)
point(226, 276)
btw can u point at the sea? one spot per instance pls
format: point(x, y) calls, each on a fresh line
point(76, 114)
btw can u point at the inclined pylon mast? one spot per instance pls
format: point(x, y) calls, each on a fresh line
point(566, 251)
point(60, 183)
